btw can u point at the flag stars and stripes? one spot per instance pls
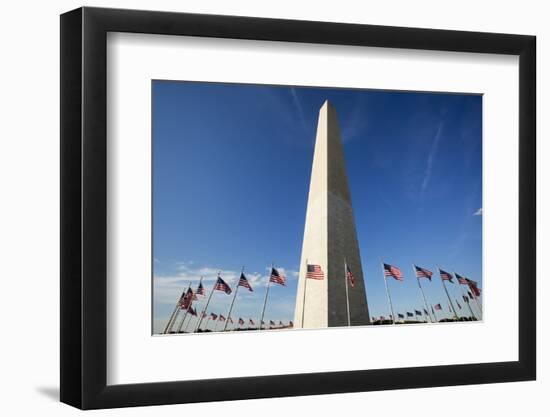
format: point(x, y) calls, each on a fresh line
point(314, 272)
point(461, 280)
point(277, 277)
point(200, 289)
point(473, 287)
point(445, 276)
point(350, 276)
point(187, 299)
point(393, 271)
point(243, 282)
point(221, 285)
point(423, 272)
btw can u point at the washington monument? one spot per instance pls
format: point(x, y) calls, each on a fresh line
point(330, 239)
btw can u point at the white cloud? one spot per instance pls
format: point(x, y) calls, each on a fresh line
point(299, 109)
point(289, 273)
point(479, 212)
point(431, 156)
point(167, 288)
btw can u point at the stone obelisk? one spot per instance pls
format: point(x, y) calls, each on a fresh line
point(330, 238)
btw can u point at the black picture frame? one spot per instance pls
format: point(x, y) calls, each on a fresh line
point(84, 207)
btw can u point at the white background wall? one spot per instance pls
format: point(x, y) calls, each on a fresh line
point(29, 205)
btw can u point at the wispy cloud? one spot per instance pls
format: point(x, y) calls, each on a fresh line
point(299, 109)
point(431, 157)
point(356, 121)
point(478, 212)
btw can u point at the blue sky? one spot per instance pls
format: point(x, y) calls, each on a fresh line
point(231, 170)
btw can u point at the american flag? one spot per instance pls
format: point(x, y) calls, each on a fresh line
point(213, 316)
point(445, 276)
point(400, 316)
point(473, 287)
point(221, 318)
point(200, 289)
point(221, 285)
point(187, 299)
point(423, 273)
point(418, 313)
point(438, 307)
point(243, 282)
point(250, 321)
point(314, 272)
point(192, 311)
point(393, 271)
point(409, 314)
point(277, 277)
point(461, 280)
point(241, 321)
point(350, 276)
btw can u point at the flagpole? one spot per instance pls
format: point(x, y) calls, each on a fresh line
point(477, 302)
point(435, 315)
point(198, 286)
point(187, 310)
point(183, 321)
point(185, 315)
point(265, 298)
point(207, 303)
point(464, 298)
point(174, 321)
point(347, 291)
point(233, 301)
point(388, 294)
point(447, 292)
point(197, 294)
point(478, 306)
point(304, 302)
point(451, 310)
point(422, 291)
point(207, 321)
point(188, 323)
point(216, 324)
point(172, 316)
point(178, 313)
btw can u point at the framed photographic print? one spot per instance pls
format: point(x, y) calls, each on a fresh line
point(356, 202)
